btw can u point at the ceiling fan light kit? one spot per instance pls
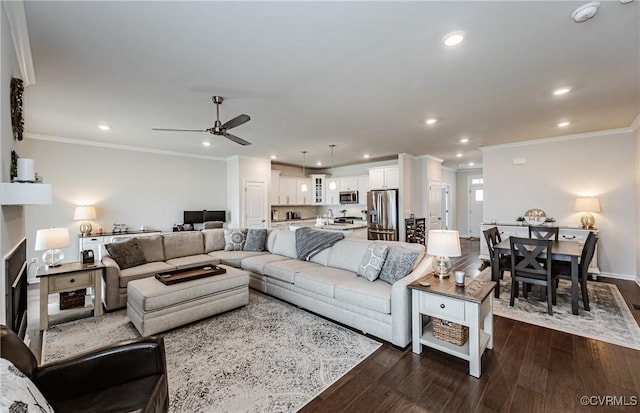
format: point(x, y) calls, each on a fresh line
point(219, 128)
point(585, 12)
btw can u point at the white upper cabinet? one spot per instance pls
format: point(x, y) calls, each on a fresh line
point(288, 194)
point(384, 177)
point(318, 189)
point(332, 194)
point(348, 183)
point(363, 188)
point(275, 188)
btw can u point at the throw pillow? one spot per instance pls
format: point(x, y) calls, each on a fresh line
point(372, 261)
point(152, 248)
point(19, 394)
point(126, 253)
point(255, 239)
point(398, 264)
point(234, 239)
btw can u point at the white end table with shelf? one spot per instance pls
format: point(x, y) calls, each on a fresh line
point(69, 277)
point(471, 306)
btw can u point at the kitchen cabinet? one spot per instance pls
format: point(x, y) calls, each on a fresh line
point(384, 177)
point(287, 192)
point(348, 183)
point(303, 198)
point(564, 234)
point(363, 188)
point(318, 189)
point(332, 196)
point(275, 188)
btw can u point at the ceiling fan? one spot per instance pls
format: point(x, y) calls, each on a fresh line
point(219, 128)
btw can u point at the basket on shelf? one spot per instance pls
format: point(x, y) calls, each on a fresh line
point(72, 299)
point(450, 332)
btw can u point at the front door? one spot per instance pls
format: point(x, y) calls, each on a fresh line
point(476, 200)
point(255, 204)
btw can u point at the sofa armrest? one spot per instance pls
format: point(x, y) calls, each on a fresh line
point(111, 290)
point(102, 368)
point(401, 303)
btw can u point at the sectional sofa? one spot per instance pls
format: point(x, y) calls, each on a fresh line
point(327, 284)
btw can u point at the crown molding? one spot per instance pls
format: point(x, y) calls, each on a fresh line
point(82, 142)
point(20, 35)
point(585, 135)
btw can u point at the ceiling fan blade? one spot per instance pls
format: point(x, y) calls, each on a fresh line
point(236, 139)
point(237, 121)
point(181, 130)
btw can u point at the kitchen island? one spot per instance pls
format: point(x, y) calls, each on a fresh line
point(356, 230)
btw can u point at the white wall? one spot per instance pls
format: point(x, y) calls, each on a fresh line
point(126, 187)
point(12, 219)
point(637, 137)
point(449, 178)
point(462, 199)
point(239, 170)
point(557, 171)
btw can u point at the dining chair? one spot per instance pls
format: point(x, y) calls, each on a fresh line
point(562, 269)
point(492, 237)
point(542, 232)
point(534, 268)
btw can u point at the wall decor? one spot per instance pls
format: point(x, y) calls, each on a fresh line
point(17, 116)
point(535, 216)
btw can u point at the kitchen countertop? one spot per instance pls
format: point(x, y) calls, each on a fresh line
point(335, 227)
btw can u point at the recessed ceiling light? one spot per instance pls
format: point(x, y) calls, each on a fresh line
point(273, 157)
point(365, 156)
point(431, 121)
point(104, 127)
point(453, 38)
point(585, 12)
point(319, 163)
point(561, 91)
point(458, 155)
point(563, 124)
point(205, 143)
point(464, 140)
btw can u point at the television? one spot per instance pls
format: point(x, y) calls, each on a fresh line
point(198, 217)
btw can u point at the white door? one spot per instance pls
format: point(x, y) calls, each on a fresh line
point(476, 199)
point(435, 215)
point(445, 205)
point(255, 204)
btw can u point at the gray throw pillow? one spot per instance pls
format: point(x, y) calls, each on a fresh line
point(372, 261)
point(255, 239)
point(234, 239)
point(126, 253)
point(398, 264)
point(152, 247)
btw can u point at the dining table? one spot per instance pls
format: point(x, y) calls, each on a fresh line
point(568, 251)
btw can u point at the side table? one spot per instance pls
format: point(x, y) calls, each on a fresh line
point(69, 277)
point(471, 306)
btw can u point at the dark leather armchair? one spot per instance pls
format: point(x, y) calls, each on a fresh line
point(123, 377)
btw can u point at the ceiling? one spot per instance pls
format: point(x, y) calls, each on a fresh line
point(361, 75)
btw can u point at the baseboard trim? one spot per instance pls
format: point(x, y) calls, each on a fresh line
point(628, 277)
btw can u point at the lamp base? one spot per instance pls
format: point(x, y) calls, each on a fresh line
point(53, 258)
point(85, 228)
point(587, 221)
point(441, 266)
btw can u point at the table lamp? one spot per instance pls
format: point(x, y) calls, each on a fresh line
point(587, 205)
point(52, 240)
point(84, 214)
point(443, 244)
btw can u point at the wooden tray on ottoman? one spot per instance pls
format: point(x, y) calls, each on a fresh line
point(188, 274)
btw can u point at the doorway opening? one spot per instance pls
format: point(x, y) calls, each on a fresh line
point(475, 184)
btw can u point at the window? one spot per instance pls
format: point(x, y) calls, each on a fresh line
point(477, 181)
point(479, 195)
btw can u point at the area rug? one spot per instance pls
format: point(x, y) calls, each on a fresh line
point(609, 320)
point(268, 356)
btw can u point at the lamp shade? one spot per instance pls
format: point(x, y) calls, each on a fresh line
point(53, 238)
point(444, 243)
point(587, 205)
point(84, 213)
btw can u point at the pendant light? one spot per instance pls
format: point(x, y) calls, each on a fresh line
point(303, 186)
point(333, 185)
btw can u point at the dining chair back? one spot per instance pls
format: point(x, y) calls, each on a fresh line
point(562, 269)
point(534, 267)
point(492, 237)
point(542, 232)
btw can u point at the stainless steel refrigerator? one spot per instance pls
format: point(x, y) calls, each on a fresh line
point(382, 215)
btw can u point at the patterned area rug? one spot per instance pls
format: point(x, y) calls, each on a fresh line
point(266, 357)
point(609, 320)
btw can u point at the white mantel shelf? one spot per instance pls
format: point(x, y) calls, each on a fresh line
point(25, 194)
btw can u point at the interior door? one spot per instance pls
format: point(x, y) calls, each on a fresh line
point(445, 206)
point(435, 205)
point(255, 204)
point(476, 200)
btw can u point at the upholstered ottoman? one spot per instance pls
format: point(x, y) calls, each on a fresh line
point(153, 307)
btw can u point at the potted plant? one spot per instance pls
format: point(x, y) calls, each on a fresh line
point(520, 220)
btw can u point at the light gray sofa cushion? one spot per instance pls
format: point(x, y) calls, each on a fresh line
point(182, 244)
point(256, 264)
point(213, 240)
point(323, 280)
point(347, 254)
point(322, 257)
point(143, 271)
point(285, 244)
point(193, 260)
point(372, 295)
point(233, 258)
point(398, 264)
point(288, 269)
point(372, 261)
point(152, 247)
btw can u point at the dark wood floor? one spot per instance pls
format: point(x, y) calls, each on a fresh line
point(530, 369)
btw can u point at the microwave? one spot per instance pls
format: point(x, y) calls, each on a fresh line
point(349, 197)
